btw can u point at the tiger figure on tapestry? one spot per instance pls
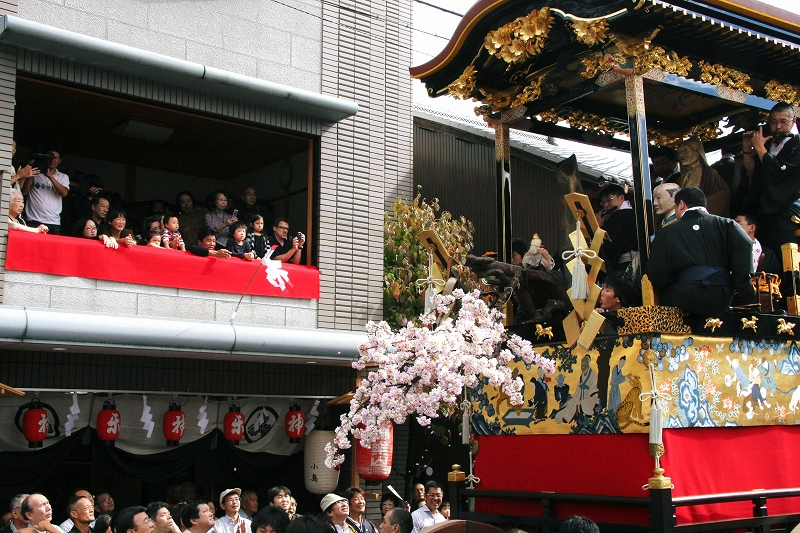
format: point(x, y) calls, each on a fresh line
point(630, 410)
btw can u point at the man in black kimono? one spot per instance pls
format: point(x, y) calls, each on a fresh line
point(698, 261)
point(772, 161)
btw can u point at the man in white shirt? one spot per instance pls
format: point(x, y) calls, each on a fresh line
point(249, 504)
point(429, 514)
point(338, 509)
point(230, 503)
point(197, 517)
point(45, 192)
point(36, 508)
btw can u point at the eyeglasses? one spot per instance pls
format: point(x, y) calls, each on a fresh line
point(782, 122)
point(283, 227)
point(146, 522)
point(434, 495)
point(107, 499)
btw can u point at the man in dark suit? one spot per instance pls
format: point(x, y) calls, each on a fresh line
point(698, 261)
point(772, 162)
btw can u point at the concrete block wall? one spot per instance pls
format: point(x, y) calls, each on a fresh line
point(99, 296)
point(275, 41)
point(366, 160)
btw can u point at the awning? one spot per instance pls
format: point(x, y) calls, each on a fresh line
point(161, 68)
point(25, 328)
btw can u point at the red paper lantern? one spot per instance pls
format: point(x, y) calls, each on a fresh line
point(109, 423)
point(234, 425)
point(35, 424)
point(375, 464)
point(295, 423)
point(174, 424)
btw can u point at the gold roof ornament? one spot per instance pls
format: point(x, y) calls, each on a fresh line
point(724, 76)
point(464, 85)
point(782, 92)
point(662, 60)
point(521, 38)
point(706, 132)
point(590, 33)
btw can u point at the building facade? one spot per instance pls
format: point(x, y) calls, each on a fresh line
point(308, 101)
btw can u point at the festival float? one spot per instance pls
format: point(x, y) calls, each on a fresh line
point(657, 421)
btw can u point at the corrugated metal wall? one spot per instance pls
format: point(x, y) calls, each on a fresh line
point(8, 83)
point(77, 371)
point(459, 169)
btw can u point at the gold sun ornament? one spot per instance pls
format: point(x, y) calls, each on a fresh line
point(590, 33)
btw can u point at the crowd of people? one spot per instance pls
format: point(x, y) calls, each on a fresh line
point(227, 228)
point(235, 511)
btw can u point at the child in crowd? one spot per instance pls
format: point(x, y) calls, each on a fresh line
point(155, 238)
point(171, 237)
point(256, 238)
point(238, 244)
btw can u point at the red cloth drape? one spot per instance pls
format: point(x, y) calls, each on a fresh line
point(698, 460)
point(146, 265)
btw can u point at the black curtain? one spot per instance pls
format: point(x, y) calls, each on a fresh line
point(227, 464)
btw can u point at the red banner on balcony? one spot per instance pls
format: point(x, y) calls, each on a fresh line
point(146, 265)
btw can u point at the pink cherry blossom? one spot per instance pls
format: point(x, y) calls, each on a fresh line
point(424, 371)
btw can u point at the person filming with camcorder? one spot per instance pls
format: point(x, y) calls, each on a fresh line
point(46, 190)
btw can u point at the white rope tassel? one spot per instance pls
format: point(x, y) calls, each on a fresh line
point(659, 400)
point(430, 284)
point(580, 281)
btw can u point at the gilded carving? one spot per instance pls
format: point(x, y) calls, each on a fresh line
point(529, 93)
point(591, 122)
point(706, 132)
point(499, 100)
point(521, 38)
point(726, 77)
point(598, 63)
point(661, 59)
point(549, 116)
point(590, 32)
point(463, 86)
point(662, 139)
point(782, 92)
point(633, 46)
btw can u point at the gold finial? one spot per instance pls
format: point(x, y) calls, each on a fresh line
point(456, 474)
point(658, 481)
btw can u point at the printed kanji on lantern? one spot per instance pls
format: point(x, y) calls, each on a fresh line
point(234, 424)
point(109, 422)
point(35, 424)
point(375, 463)
point(295, 423)
point(174, 424)
point(319, 479)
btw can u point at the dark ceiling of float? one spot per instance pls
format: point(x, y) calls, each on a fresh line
point(744, 53)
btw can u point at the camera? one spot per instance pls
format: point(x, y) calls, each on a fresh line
point(85, 182)
point(298, 236)
point(41, 160)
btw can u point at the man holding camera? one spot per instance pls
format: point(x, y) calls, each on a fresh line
point(45, 192)
point(772, 162)
point(286, 250)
